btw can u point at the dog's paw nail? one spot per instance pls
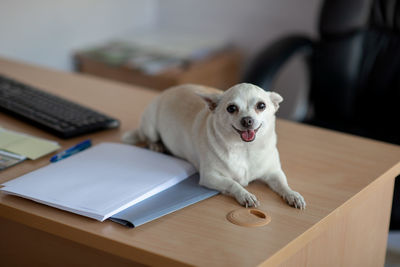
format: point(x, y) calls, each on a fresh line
point(296, 200)
point(248, 200)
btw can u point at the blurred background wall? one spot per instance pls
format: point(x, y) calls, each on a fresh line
point(47, 32)
point(249, 24)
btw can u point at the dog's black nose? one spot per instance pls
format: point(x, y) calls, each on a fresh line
point(247, 122)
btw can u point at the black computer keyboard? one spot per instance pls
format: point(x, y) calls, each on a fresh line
point(52, 113)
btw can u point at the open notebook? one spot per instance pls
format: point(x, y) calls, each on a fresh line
point(107, 179)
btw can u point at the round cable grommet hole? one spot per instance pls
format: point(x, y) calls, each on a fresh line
point(248, 217)
point(258, 213)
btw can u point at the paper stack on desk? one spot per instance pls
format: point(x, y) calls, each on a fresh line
point(107, 179)
point(26, 145)
point(156, 52)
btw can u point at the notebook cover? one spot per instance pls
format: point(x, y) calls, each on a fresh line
point(175, 198)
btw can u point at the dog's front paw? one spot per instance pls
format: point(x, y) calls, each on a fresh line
point(296, 200)
point(247, 199)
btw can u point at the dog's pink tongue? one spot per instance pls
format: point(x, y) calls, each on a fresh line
point(248, 135)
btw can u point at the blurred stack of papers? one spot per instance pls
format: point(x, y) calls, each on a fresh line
point(8, 159)
point(15, 147)
point(153, 53)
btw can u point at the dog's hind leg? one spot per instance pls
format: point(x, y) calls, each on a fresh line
point(136, 137)
point(133, 137)
point(147, 131)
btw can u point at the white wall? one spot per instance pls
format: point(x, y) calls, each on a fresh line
point(250, 24)
point(46, 32)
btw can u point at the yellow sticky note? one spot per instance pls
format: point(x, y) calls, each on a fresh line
point(26, 145)
point(7, 137)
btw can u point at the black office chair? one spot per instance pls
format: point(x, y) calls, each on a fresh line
point(354, 70)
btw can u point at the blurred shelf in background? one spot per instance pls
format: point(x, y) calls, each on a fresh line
point(160, 62)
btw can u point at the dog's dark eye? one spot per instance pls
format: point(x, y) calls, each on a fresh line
point(232, 108)
point(260, 105)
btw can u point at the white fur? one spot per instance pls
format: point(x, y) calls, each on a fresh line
point(179, 121)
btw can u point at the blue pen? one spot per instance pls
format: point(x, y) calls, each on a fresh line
point(71, 151)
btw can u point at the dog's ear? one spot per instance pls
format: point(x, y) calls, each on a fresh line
point(276, 99)
point(212, 99)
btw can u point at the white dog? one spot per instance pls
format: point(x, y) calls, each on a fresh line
point(231, 140)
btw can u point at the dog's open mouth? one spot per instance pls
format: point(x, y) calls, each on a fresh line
point(247, 135)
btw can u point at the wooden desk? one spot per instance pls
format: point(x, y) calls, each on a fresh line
point(347, 182)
